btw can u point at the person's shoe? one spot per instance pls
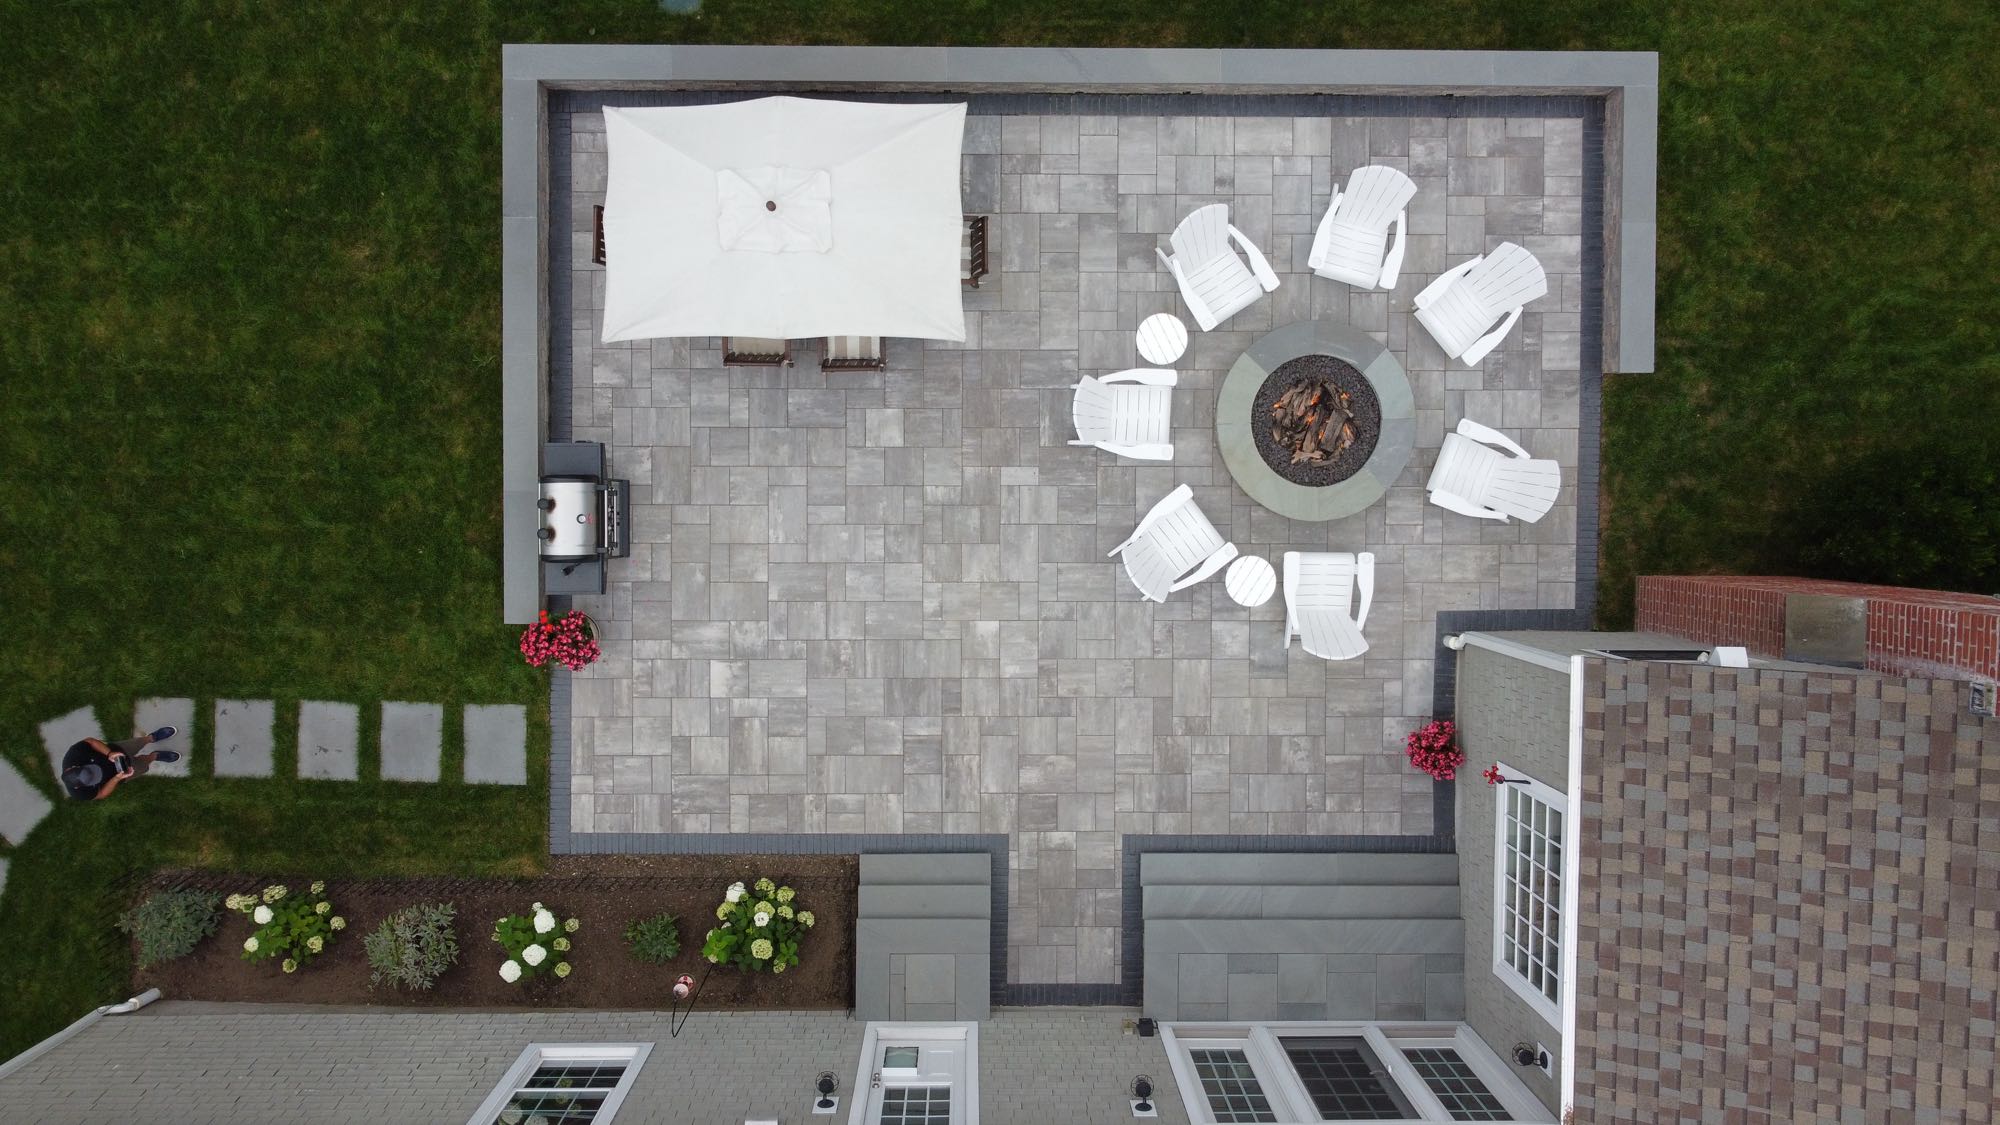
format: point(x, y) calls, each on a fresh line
point(162, 735)
point(166, 755)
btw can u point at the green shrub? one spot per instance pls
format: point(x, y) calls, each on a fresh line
point(293, 928)
point(656, 939)
point(413, 946)
point(535, 943)
point(761, 928)
point(170, 924)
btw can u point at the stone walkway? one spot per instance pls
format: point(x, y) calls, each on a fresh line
point(496, 747)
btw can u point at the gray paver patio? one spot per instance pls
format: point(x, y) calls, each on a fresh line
point(151, 715)
point(22, 806)
point(412, 741)
point(496, 744)
point(880, 602)
point(243, 737)
point(64, 731)
point(328, 737)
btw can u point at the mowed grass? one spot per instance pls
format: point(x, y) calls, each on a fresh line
point(249, 332)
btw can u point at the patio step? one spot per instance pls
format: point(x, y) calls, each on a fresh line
point(1300, 869)
point(927, 868)
point(923, 937)
point(1239, 900)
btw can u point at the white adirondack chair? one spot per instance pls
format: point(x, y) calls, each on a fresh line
point(1465, 301)
point(1174, 540)
point(1474, 479)
point(1319, 596)
point(1348, 245)
point(1213, 280)
point(1129, 413)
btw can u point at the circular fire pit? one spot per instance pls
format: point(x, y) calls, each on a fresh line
point(1316, 420)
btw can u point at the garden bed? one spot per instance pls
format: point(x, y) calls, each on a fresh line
point(603, 892)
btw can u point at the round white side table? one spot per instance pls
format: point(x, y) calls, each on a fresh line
point(1251, 581)
point(1162, 338)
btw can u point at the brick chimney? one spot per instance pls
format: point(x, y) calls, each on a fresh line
point(1909, 632)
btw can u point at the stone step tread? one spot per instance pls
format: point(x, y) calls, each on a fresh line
point(925, 900)
point(22, 806)
point(496, 744)
point(243, 737)
point(1197, 900)
point(1306, 935)
point(926, 868)
point(64, 731)
point(151, 714)
point(924, 935)
point(412, 741)
point(329, 740)
point(1300, 868)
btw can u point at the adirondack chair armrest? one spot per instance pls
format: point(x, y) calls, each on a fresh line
point(1172, 500)
point(1321, 233)
point(1208, 567)
point(1444, 281)
point(1364, 578)
point(1291, 568)
point(1477, 352)
point(1392, 266)
point(1477, 432)
point(1144, 451)
point(1452, 502)
point(1258, 265)
point(1151, 376)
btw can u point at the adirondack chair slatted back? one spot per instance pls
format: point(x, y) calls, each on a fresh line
point(1520, 488)
point(1375, 195)
point(1508, 278)
point(1122, 413)
point(1202, 237)
point(1215, 280)
point(1320, 602)
point(1351, 244)
point(1176, 543)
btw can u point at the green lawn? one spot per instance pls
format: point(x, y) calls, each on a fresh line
point(249, 278)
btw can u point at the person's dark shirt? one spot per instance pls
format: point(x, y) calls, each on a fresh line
point(85, 758)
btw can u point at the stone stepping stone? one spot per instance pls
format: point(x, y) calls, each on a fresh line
point(243, 737)
point(59, 734)
point(496, 744)
point(151, 715)
point(22, 806)
point(328, 735)
point(412, 741)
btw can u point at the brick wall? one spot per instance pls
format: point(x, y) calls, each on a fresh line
point(1910, 632)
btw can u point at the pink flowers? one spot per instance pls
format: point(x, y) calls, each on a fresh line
point(1430, 749)
point(570, 641)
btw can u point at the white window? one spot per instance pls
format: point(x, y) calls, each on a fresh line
point(1527, 889)
point(917, 1074)
point(1293, 1073)
point(565, 1083)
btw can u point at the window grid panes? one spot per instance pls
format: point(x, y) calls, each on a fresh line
point(1531, 898)
point(1345, 1081)
point(1456, 1085)
point(916, 1105)
point(562, 1093)
point(1234, 1094)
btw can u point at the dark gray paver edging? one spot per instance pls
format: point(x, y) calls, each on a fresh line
point(1627, 81)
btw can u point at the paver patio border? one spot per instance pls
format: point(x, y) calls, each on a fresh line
point(1627, 81)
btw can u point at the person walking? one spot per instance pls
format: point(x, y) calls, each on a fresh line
point(92, 769)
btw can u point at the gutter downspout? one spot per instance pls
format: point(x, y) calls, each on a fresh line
point(8, 1068)
point(1571, 893)
point(1526, 653)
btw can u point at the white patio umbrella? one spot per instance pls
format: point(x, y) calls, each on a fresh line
point(783, 218)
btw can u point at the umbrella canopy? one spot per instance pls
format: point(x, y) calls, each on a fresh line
point(783, 218)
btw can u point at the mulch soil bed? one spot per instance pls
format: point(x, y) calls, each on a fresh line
point(603, 892)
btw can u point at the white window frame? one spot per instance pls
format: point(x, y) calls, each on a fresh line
point(1518, 782)
point(965, 1094)
point(1263, 1045)
point(631, 1055)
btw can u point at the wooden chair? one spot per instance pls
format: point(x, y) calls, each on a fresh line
point(755, 351)
point(972, 264)
point(852, 353)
